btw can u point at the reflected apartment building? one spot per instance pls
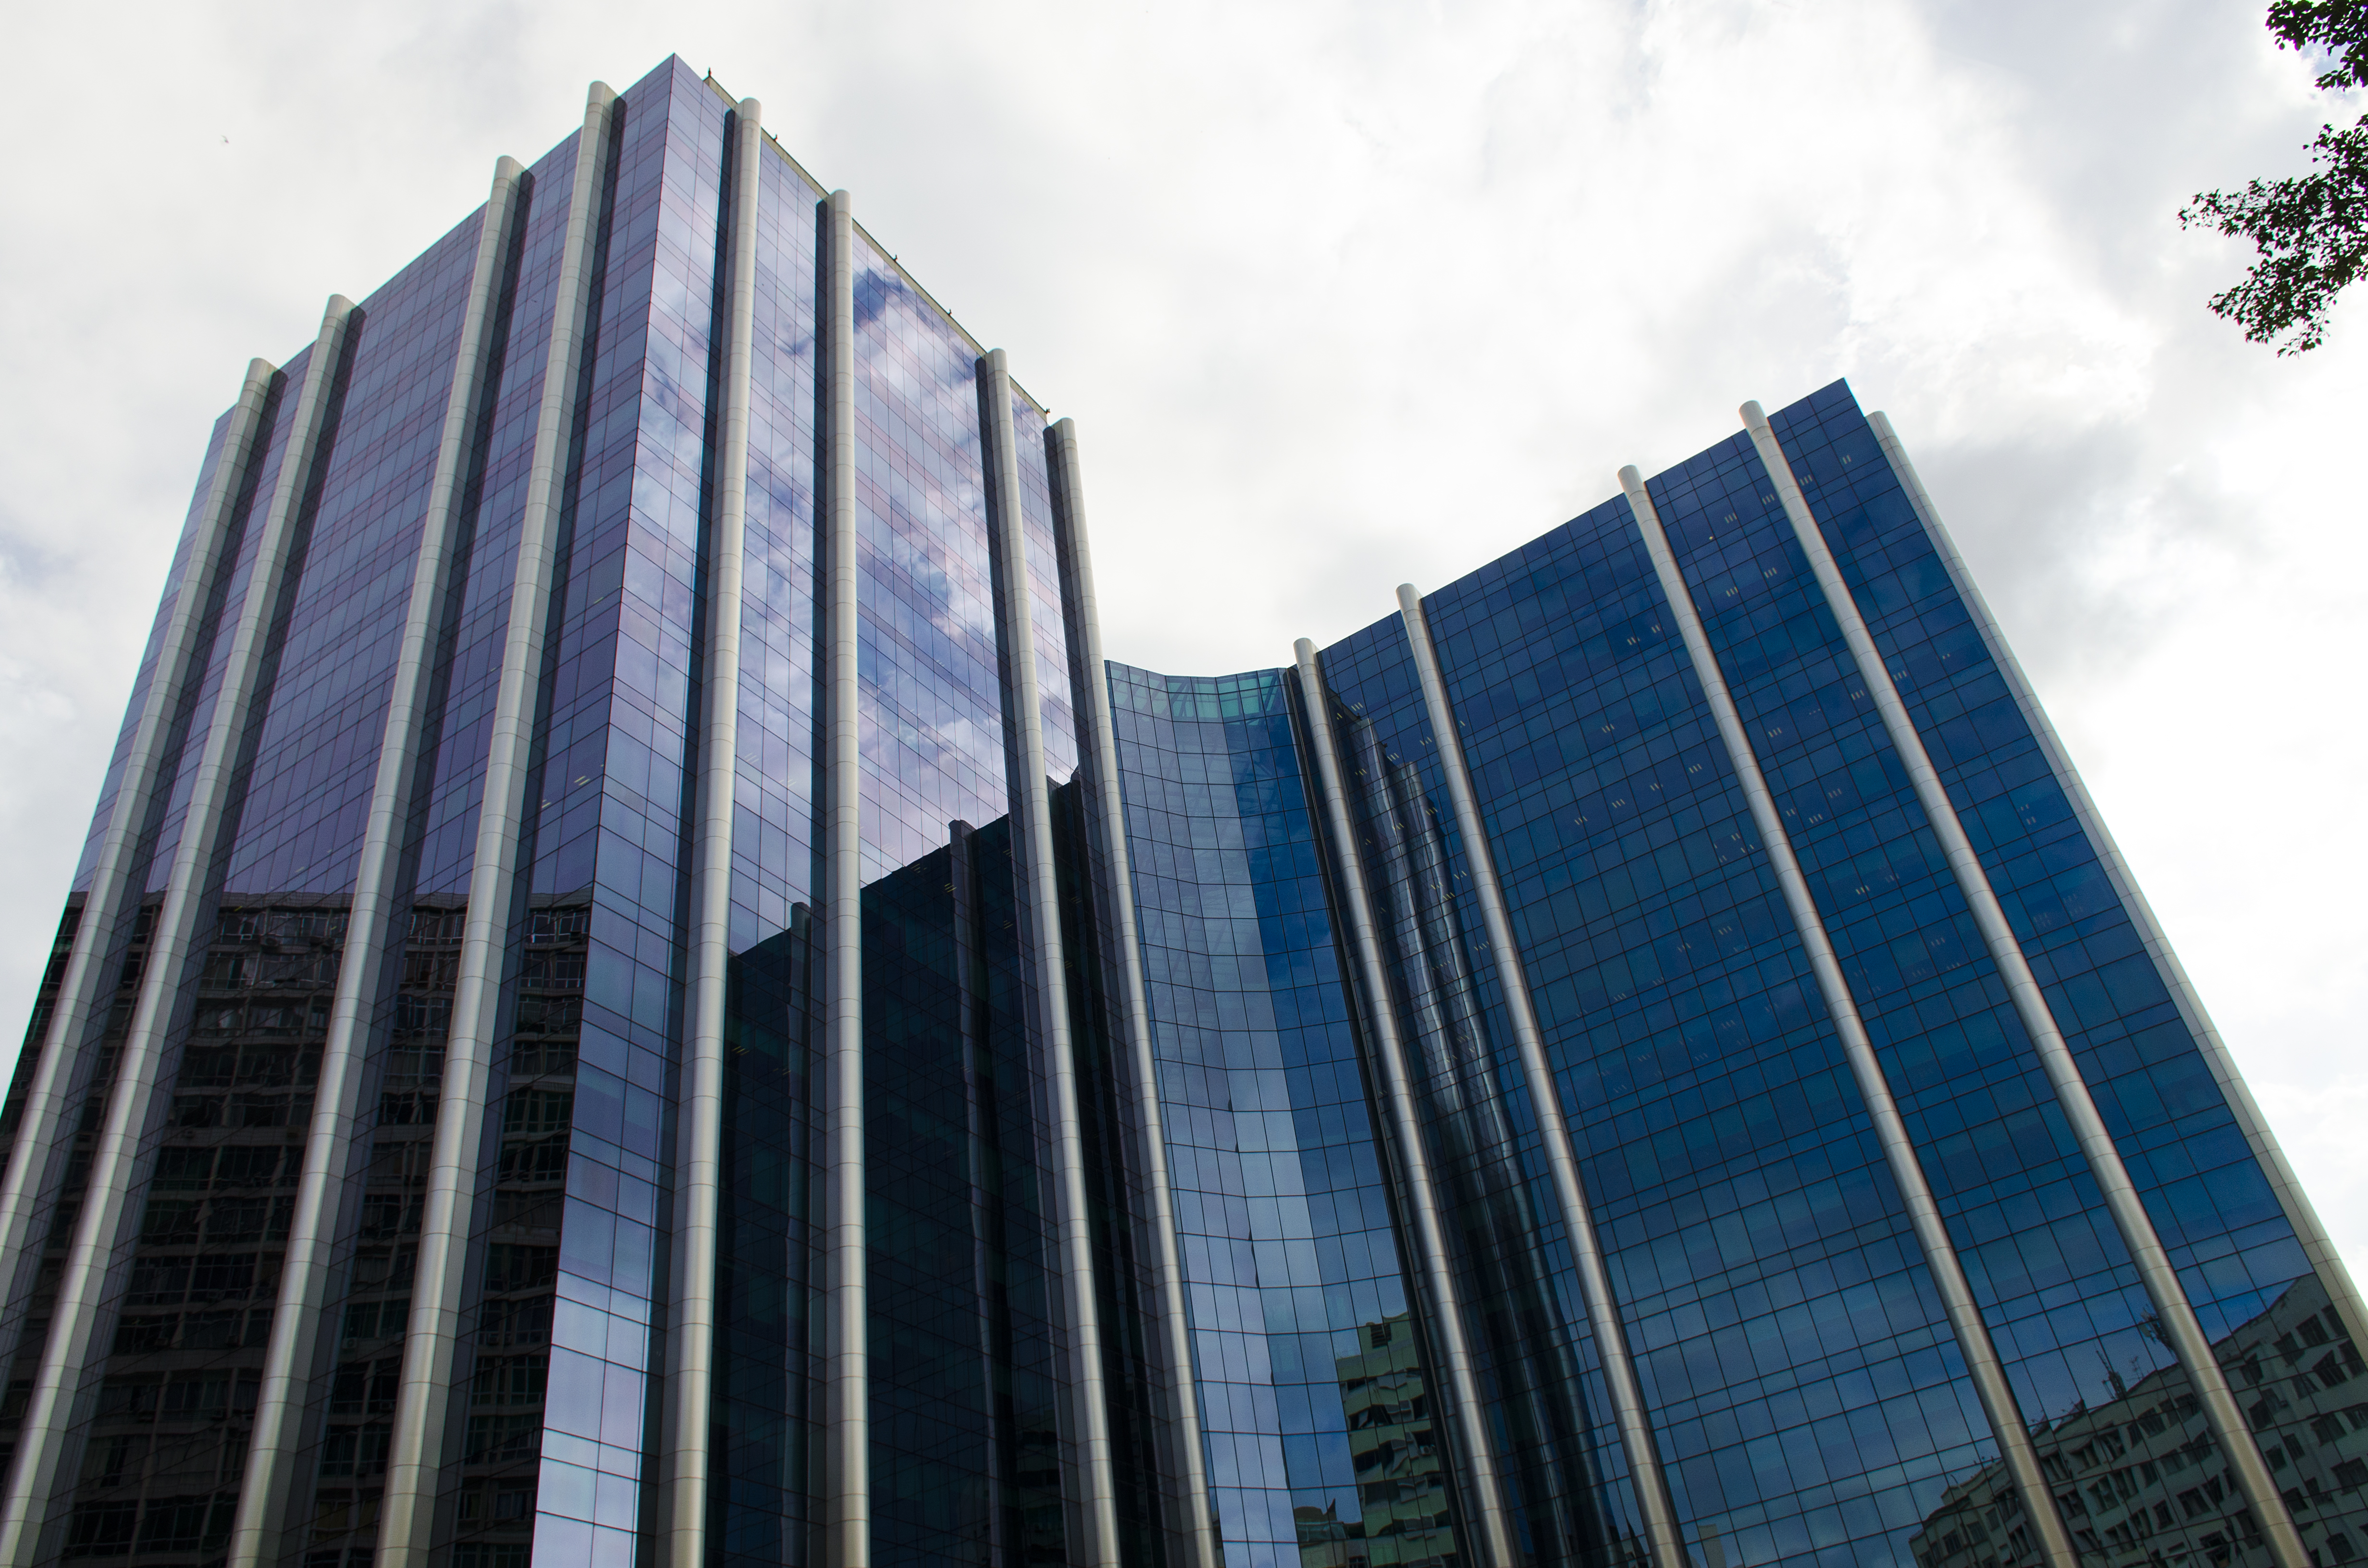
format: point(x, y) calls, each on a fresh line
point(641, 992)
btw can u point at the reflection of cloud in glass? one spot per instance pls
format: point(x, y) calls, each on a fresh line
point(1282, 1220)
point(932, 700)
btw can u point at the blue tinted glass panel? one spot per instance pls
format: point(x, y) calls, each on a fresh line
point(1317, 1405)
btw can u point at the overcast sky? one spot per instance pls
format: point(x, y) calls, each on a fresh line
point(1342, 295)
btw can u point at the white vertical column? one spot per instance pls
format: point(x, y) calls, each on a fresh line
point(107, 1228)
point(1195, 1517)
point(2181, 1329)
point(431, 1349)
point(846, 1377)
point(701, 1114)
point(1899, 1154)
point(373, 932)
point(1031, 818)
point(62, 1073)
point(2309, 1230)
point(1546, 1100)
point(1444, 1318)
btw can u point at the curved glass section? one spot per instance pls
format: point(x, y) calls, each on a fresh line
point(1321, 1423)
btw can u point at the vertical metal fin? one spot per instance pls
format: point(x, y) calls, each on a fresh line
point(1194, 1521)
point(62, 1073)
point(701, 1114)
point(2184, 1334)
point(373, 930)
point(1554, 1132)
point(2309, 1230)
point(1899, 1154)
point(1087, 1436)
point(80, 1329)
point(1450, 1345)
point(986, 1231)
point(847, 1415)
point(431, 1348)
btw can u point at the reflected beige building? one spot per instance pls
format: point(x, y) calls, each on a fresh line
point(2140, 1482)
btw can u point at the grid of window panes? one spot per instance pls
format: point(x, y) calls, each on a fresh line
point(611, 802)
point(773, 836)
point(1020, 1022)
point(1565, 1472)
point(932, 718)
point(350, 1418)
point(1808, 1400)
point(152, 651)
point(96, 1051)
point(301, 821)
point(936, 739)
point(36, 1270)
point(763, 1274)
point(299, 830)
point(163, 1452)
point(161, 1469)
point(1315, 1456)
point(612, 759)
point(493, 506)
point(231, 582)
point(105, 1043)
point(2203, 1189)
point(965, 1396)
point(1805, 1395)
point(31, 1291)
point(1137, 1398)
point(2046, 1264)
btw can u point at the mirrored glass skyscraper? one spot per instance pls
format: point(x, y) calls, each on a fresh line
point(641, 992)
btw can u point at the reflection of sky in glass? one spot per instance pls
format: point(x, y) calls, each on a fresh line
point(1806, 1396)
point(1561, 1456)
point(771, 834)
point(317, 753)
point(761, 1332)
point(1279, 1202)
point(1804, 1389)
point(932, 705)
point(2235, 1252)
point(88, 866)
point(2060, 1294)
point(613, 803)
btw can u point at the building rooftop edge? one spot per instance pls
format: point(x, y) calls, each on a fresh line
point(910, 281)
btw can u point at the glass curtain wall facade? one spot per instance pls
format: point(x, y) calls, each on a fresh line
point(641, 992)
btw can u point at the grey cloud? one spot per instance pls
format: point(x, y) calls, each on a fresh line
point(1340, 295)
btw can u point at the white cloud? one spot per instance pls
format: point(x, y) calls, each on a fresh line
point(1343, 294)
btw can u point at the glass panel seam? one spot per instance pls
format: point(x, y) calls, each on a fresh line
point(431, 1347)
point(1195, 1516)
point(1450, 1342)
point(2138, 1232)
point(2317, 1244)
point(1899, 1154)
point(105, 1228)
point(266, 1494)
point(1032, 817)
point(1579, 1223)
point(701, 1112)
